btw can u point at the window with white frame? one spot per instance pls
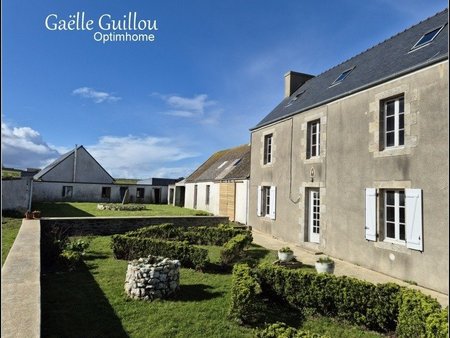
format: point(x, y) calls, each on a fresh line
point(397, 220)
point(208, 191)
point(266, 205)
point(268, 149)
point(67, 191)
point(393, 122)
point(394, 216)
point(313, 142)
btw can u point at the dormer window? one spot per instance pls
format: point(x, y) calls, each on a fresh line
point(342, 76)
point(427, 38)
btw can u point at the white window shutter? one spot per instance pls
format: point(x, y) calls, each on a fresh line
point(259, 203)
point(371, 214)
point(273, 201)
point(413, 206)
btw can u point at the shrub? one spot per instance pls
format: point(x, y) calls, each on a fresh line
point(202, 235)
point(234, 247)
point(420, 316)
point(70, 259)
point(359, 302)
point(53, 241)
point(245, 304)
point(77, 245)
point(281, 330)
point(128, 247)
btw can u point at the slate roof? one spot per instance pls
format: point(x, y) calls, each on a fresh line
point(46, 169)
point(63, 157)
point(390, 59)
point(229, 164)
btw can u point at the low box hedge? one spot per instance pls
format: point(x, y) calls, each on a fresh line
point(202, 235)
point(130, 247)
point(233, 249)
point(382, 307)
point(245, 304)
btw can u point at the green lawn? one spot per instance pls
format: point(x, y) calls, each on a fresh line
point(90, 302)
point(10, 228)
point(82, 209)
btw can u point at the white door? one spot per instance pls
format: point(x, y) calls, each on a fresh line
point(314, 216)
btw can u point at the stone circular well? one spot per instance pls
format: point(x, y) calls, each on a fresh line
point(152, 277)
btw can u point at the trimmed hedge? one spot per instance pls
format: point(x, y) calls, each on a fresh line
point(130, 247)
point(245, 304)
point(281, 330)
point(349, 299)
point(233, 249)
point(382, 307)
point(202, 235)
point(421, 316)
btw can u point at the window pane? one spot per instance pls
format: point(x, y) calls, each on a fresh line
point(402, 105)
point(401, 137)
point(402, 232)
point(390, 108)
point(390, 140)
point(313, 150)
point(390, 123)
point(401, 121)
point(390, 198)
point(402, 215)
point(390, 230)
point(402, 198)
point(390, 214)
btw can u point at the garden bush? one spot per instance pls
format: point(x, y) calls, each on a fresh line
point(281, 330)
point(233, 249)
point(245, 304)
point(130, 247)
point(421, 316)
point(202, 235)
point(349, 299)
point(121, 207)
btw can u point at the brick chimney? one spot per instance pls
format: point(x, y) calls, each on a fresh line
point(293, 81)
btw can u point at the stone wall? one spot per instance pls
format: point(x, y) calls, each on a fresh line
point(82, 226)
point(16, 194)
point(152, 277)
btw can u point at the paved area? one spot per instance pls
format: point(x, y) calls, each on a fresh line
point(21, 287)
point(341, 267)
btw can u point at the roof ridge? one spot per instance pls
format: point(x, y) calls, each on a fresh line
point(376, 45)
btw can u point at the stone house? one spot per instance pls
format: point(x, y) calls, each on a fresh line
point(354, 162)
point(219, 185)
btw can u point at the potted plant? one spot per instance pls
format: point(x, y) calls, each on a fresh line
point(325, 264)
point(36, 214)
point(29, 215)
point(285, 254)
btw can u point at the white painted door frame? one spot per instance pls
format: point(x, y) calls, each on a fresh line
point(314, 215)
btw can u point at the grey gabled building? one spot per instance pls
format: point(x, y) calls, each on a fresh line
point(354, 162)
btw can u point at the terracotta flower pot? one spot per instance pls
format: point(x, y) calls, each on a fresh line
point(36, 214)
point(29, 215)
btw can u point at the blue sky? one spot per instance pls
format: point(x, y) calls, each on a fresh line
point(161, 108)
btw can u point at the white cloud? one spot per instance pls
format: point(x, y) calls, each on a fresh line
point(23, 147)
point(140, 157)
point(96, 96)
point(197, 107)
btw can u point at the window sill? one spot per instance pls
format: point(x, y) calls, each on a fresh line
point(399, 247)
point(315, 159)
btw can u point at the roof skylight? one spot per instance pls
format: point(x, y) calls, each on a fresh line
point(427, 38)
point(342, 77)
point(291, 101)
point(220, 166)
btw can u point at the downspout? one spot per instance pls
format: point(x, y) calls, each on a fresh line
point(30, 192)
point(290, 166)
point(75, 163)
